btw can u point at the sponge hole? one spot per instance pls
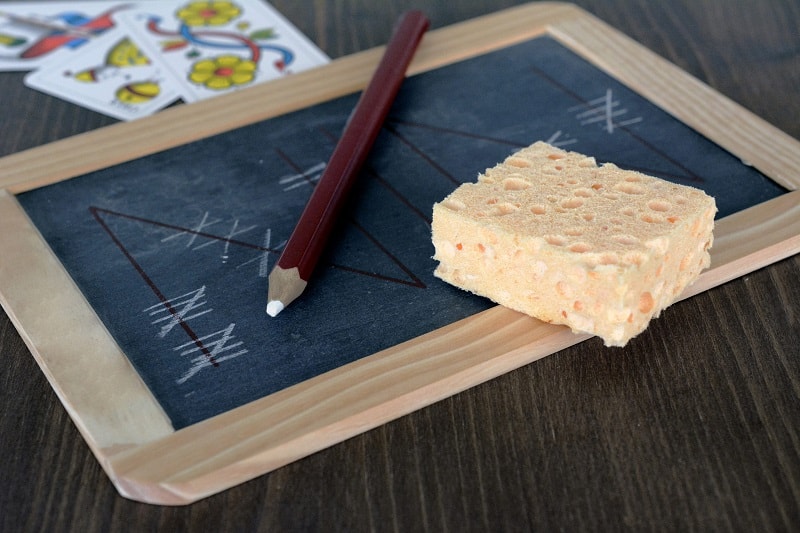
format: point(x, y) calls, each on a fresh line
point(518, 162)
point(646, 302)
point(580, 247)
point(652, 219)
point(630, 188)
point(572, 203)
point(453, 204)
point(627, 240)
point(515, 184)
point(606, 259)
point(551, 169)
point(538, 210)
point(555, 240)
point(504, 209)
point(661, 206)
point(575, 232)
point(634, 258)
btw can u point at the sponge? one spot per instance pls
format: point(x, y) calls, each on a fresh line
point(551, 234)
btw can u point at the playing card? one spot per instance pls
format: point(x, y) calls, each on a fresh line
point(111, 75)
point(216, 47)
point(34, 33)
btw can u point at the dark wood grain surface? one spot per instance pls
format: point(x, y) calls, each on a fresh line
point(693, 426)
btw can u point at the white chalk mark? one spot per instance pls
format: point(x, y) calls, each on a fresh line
point(306, 177)
point(231, 234)
point(629, 122)
point(228, 243)
point(605, 110)
point(263, 257)
point(263, 265)
point(605, 117)
point(609, 112)
point(592, 105)
point(194, 232)
point(555, 139)
point(212, 351)
point(178, 309)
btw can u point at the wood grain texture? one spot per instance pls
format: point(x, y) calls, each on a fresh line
point(693, 427)
point(72, 346)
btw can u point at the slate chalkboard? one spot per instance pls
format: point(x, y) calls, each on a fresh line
point(172, 250)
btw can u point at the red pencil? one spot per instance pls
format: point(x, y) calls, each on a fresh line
point(291, 274)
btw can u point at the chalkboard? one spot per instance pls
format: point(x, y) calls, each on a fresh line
point(172, 250)
point(134, 258)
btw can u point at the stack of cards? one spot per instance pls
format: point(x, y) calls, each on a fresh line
point(129, 60)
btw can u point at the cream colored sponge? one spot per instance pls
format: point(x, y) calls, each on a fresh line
point(552, 234)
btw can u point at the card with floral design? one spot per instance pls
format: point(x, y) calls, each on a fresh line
point(214, 47)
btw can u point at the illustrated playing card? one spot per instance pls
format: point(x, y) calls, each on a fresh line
point(35, 33)
point(216, 47)
point(111, 75)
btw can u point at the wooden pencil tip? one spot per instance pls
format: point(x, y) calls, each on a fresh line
point(285, 285)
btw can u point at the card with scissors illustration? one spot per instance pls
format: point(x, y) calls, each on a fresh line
point(36, 33)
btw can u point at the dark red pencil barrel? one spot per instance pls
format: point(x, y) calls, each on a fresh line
point(319, 216)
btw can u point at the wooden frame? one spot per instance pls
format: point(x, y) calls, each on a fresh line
point(123, 424)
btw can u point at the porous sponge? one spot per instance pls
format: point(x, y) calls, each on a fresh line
point(551, 234)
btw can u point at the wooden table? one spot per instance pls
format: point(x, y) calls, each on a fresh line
point(695, 426)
